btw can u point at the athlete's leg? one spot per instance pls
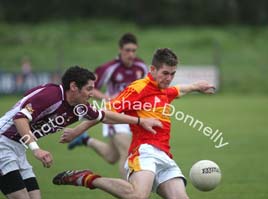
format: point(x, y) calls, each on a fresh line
point(173, 189)
point(32, 188)
point(138, 187)
point(36, 194)
point(12, 185)
point(30, 191)
point(121, 142)
point(21, 194)
point(107, 151)
point(17, 178)
point(78, 141)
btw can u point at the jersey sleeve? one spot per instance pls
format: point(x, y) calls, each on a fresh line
point(99, 72)
point(124, 101)
point(104, 73)
point(93, 114)
point(41, 101)
point(172, 93)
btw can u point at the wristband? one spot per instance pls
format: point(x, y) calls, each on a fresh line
point(33, 146)
point(139, 121)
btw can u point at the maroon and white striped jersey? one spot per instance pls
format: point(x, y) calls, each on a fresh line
point(116, 76)
point(47, 111)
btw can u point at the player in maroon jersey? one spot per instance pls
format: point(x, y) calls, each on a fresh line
point(42, 111)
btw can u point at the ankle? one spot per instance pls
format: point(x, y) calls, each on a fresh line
point(89, 179)
point(86, 140)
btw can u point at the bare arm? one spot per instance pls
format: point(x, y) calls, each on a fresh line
point(85, 125)
point(23, 128)
point(70, 133)
point(110, 118)
point(146, 123)
point(201, 86)
point(117, 118)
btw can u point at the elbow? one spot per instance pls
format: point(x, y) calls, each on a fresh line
point(17, 119)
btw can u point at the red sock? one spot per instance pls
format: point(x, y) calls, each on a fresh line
point(88, 179)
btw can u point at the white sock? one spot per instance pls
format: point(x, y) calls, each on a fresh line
point(89, 141)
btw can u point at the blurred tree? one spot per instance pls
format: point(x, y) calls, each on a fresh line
point(198, 12)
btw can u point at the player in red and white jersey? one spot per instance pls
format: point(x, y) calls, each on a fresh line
point(149, 166)
point(115, 76)
point(44, 110)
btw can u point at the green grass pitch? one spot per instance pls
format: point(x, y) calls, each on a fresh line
point(241, 119)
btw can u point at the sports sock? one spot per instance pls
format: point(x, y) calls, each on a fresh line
point(85, 140)
point(87, 180)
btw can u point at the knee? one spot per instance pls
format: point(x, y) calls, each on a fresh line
point(140, 196)
point(112, 158)
point(111, 161)
point(143, 196)
point(184, 197)
point(133, 194)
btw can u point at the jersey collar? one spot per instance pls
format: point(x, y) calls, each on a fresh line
point(151, 79)
point(63, 97)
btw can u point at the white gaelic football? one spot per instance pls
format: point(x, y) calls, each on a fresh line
point(205, 175)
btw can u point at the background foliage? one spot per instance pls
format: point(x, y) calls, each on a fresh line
point(197, 12)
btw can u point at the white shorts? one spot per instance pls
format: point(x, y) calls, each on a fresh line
point(150, 158)
point(13, 157)
point(109, 130)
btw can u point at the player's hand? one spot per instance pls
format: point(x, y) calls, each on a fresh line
point(67, 136)
point(149, 123)
point(44, 156)
point(204, 87)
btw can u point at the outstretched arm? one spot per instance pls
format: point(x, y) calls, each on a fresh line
point(116, 118)
point(110, 118)
point(70, 133)
point(201, 86)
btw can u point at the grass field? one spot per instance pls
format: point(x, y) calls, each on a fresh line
point(241, 119)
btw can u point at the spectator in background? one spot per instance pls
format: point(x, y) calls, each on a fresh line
point(26, 67)
point(26, 71)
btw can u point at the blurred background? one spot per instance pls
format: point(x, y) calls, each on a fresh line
point(48, 36)
point(225, 39)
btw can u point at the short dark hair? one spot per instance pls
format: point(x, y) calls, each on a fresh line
point(127, 38)
point(78, 75)
point(164, 56)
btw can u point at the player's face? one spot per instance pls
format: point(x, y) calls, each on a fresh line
point(128, 53)
point(164, 75)
point(85, 92)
